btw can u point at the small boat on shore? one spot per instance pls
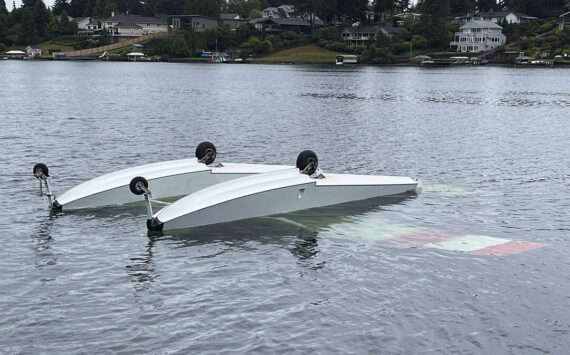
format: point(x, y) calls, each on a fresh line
point(275, 192)
point(167, 179)
point(346, 59)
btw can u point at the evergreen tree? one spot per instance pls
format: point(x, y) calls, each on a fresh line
point(383, 8)
point(99, 9)
point(27, 33)
point(89, 7)
point(110, 9)
point(77, 8)
point(462, 7)
point(3, 9)
point(42, 17)
point(59, 6)
point(3, 32)
point(486, 5)
point(210, 8)
point(65, 26)
point(433, 22)
point(354, 9)
point(538, 8)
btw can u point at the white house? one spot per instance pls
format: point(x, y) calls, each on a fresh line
point(33, 51)
point(82, 22)
point(358, 36)
point(478, 36)
point(495, 17)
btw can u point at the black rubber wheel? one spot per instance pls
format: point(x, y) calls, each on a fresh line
point(206, 153)
point(134, 185)
point(41, 168)
point(308, 160)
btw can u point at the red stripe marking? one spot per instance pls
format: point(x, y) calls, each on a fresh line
point(508, 248)
point(422, 237)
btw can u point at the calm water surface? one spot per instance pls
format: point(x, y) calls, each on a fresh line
point(490, 144)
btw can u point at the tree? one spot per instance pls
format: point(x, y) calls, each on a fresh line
point(41, 17)
point(383, 8)
point(177, 46)
point(254, 13)
point(433, 24)
point(3, 10)
point(99, 9)
point(402, 5)
point(354, 9)
point(462, 7)
point(538, 8)
point(210, 8)
point(3, 32)
point(64, 26)
point(59, 6)
point(486, 5)
point(104, 38)
point(77, 8)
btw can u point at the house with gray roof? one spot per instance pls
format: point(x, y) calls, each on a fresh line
point(478, 36)
point(278, 25)
point(232, 20)
point(283, 11)
point(122, 27)
point(196, 23)
point(495, 17)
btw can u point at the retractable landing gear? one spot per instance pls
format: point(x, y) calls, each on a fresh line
point(139, 186)
point(41, 172)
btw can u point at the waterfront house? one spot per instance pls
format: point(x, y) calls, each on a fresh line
point(478, 36)
point(33, 51)
point(401, 18)
point(123, 27)
point(232, 20)
point(86, 25)
point(495, 17)
point(278, 25)
point(359, 36)
point(81, 22)
point(196, 23)
point(283, 11)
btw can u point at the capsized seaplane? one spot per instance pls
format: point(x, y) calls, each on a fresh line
point(274, 192)
point(167, 179)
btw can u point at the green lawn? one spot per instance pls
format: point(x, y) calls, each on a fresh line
point(309, 53)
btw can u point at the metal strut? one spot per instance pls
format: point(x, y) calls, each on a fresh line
point(44, 180)
point(147, 197)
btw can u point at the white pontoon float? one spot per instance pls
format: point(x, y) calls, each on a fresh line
point(274, 192)
point(166, 179)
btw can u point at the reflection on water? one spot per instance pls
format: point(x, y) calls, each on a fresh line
point(141, 268)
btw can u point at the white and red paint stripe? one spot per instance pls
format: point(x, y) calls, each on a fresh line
point(372, 230)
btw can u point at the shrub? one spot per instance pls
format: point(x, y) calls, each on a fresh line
point(327, 33)
point(400, 47)
point(289, 35)
point(339, 46)
point(419, 41)
point(376, 55)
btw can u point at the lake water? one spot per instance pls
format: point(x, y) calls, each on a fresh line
point(477, 263)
